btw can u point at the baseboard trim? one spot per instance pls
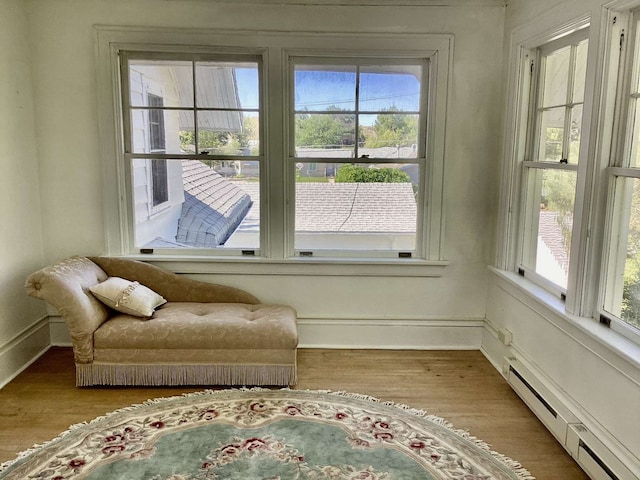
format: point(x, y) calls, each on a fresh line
point(22, 350)
point(391, 334)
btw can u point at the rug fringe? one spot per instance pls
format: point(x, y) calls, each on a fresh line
point(516, 467)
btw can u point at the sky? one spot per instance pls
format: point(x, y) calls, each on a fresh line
point(316, 90)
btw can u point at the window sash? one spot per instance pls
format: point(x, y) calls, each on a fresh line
point(157, 159)
point(619, 291)
point(357, 64)
point(537, 165)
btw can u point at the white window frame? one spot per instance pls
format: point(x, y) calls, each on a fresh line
point(276, 192)
point(526, 41)
point(531, 162)
point(128, 154)
point(353, 59)
point(602, 145)
point(623, 56)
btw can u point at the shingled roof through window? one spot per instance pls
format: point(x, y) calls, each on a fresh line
point(213, 207)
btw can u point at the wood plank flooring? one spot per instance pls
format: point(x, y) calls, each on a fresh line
point(460, 386)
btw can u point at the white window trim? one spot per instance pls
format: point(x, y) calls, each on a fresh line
point(525, 42)
point(587, 280)
point(349, 57)
point(274, 247)
point(619, 62)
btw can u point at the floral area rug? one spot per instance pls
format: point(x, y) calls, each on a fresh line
point(264, 434)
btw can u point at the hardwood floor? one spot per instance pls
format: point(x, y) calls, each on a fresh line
point(460, 386)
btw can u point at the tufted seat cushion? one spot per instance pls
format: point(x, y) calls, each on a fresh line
point(184, 325)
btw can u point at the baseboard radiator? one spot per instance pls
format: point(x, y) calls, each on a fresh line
point(593, 456)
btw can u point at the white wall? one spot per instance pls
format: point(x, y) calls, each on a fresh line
point(66, 99)
point(599, 381)
point(22, 333)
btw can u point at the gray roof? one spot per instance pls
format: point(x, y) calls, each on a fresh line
point(355, 207)
point(345, 207)
point(212, 209)
point(550, 230)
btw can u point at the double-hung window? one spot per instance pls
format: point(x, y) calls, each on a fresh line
point(192, 146)
point(358, 147)
point(621, 279)
point(550, 168)
point(330, 147)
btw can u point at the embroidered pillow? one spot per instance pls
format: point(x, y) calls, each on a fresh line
point(127, 297)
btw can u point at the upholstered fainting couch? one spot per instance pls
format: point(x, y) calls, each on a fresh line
point(132, 323)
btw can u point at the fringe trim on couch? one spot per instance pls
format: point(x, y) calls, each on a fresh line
point(158, 375)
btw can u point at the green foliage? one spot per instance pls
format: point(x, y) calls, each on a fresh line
point(325, 130)
point(393, 129)
point(349, 173)
point(631, 289)
point(335, 129)
point(221, 142)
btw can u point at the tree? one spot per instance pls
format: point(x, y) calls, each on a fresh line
point(325, 130)
point(393, 129)
point(349, 173)
point(631, 290)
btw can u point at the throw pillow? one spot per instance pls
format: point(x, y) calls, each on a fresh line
point(127, 297)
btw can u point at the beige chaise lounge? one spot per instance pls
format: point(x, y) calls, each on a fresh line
point(205, 334)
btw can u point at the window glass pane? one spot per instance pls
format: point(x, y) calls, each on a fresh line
point(635, 78)
point(325, 135)
point(556, 78)
point(320, 88)
point(161, 130)
point(576, 132)
point(227, 85)
point(552, 197)
point(228, 133)
point(356, 207)
point(171, 80)
point(580, 72)
point(390, 88)
point(212, 204)
point(551, 134)
point(634, 138)
point(623, 276)
point(389, 135)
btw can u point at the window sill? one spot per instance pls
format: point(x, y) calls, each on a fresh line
point(599, 339)
point(319, 266)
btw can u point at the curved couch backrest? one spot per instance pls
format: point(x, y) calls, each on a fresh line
point(174, 288)
point(66, 287)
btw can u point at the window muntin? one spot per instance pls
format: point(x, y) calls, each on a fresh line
point(375, 113)
point(381, 102)
point(209, 107)
point(192, 141)
point(551, 169)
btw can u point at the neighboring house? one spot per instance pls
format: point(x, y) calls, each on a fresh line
point(316, 169)
point(159, 192)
